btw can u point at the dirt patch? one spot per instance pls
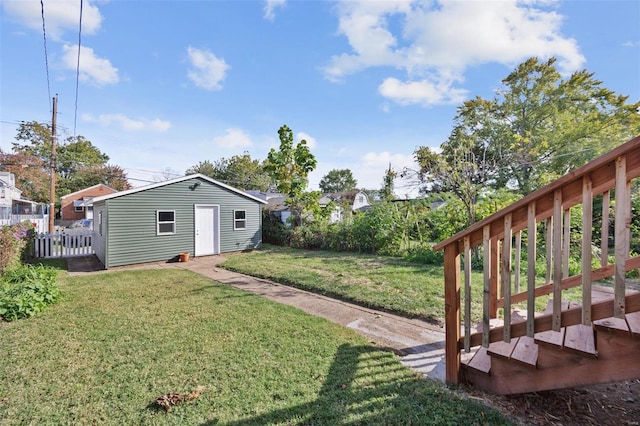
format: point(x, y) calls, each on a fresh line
point(610, 404)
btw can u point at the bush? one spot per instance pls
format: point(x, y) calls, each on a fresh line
point(273, 230)
point(27, 290)
point(16, 245)
point(424, 253)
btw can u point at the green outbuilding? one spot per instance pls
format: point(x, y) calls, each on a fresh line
point(191, 214)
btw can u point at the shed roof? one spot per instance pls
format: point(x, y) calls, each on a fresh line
point(176, 180)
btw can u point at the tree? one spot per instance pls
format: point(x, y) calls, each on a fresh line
point(289, 167)
point(386, 193)
point(539, 127)
point(77, 162)
point(465, 164)
point(239, 171)
point(545, 126)
point(338, 181)
point(32, 175)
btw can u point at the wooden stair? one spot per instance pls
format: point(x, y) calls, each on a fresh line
point(578, 355)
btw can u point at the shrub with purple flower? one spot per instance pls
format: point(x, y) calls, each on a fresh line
point(16, 245)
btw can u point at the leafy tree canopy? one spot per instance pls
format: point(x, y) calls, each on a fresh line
point(538, 127)
point(338, 181)
point(240, 171)
point(79, 163)
point(289, 167)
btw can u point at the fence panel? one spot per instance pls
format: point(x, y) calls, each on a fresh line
point(61, 244)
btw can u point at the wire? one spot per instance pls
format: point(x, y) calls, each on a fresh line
point(75, 115)
point(46, 56)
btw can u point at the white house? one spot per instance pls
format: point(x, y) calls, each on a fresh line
point(345, 202)
point(14, 208)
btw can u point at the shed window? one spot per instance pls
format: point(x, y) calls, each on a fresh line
point(166, 222)
point(100, 223)
point(240, 219)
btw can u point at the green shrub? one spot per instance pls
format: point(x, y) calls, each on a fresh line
point(27, 290)
point(273, 230)
point(424, 253)
point(16, 244)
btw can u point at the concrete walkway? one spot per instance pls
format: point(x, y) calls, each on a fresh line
point(420, 345)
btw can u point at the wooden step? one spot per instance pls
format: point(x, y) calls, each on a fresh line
point(633, 320)
point(526, 352)
point(503, 349)
point(617, 326)
point(481, 361)
point(550, 338)
point(580, 339)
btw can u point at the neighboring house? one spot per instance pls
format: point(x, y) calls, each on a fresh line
point(14, 208)
point(194, 214)
point(343, 202)
point(79, 205)
point(279, 208)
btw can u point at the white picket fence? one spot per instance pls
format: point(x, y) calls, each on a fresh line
point(41, 222)
point(61, 244)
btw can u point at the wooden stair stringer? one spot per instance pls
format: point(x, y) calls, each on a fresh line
point(617, 360)
point(617, 355)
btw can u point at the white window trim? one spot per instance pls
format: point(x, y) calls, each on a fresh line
point(78, 209)
point(158, 222)
point(235, 220)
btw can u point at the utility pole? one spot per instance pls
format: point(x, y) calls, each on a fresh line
point(52, 199)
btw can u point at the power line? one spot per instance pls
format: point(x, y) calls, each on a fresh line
point(75, 115)
point(46, 56)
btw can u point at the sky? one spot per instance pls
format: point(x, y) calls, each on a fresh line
point(163, 85)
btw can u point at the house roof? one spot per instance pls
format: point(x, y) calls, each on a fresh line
point(176, 180)
point(344, 195)
point(86, 189)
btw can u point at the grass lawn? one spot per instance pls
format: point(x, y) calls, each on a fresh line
point(119, 340)
point(381, 282)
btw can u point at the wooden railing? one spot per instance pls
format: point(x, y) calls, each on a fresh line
point(547, 212)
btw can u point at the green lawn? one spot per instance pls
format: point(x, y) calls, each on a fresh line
point(381, 282)
point(119, 340)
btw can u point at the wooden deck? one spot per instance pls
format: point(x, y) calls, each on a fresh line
point(571, 343)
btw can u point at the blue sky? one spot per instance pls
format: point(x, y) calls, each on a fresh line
point(164, 85)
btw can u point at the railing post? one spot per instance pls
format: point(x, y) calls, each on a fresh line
point(622, 231)
point(495, 277)
point(452, 312)
point(506, 277)
point(557, 259)
point(587, 236)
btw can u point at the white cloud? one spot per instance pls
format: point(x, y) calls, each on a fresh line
point(270, 7)
point(92, 68)
point(233, 139)
point(311, 141)
point(59, 16)
point(208, 71)
point(421, 92)
point(438, 42)
point(128, 124)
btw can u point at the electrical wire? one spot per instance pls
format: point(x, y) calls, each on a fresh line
point(46, 56)
point(75, 115)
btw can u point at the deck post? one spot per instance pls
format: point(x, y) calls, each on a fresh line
point(452, 312)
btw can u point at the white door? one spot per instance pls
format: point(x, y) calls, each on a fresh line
point(207, 227)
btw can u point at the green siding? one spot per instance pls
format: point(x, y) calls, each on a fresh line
point(131, 222)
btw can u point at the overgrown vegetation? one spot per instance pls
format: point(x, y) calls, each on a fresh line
point(119, 340)
point(16, 245)
point(26, 291)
